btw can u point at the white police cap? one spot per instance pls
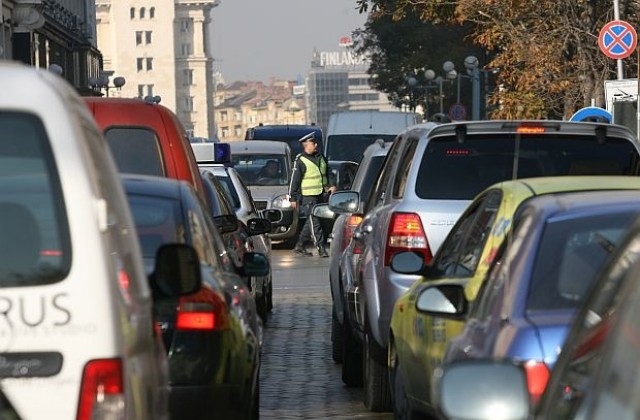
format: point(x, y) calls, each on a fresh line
point(306, 137)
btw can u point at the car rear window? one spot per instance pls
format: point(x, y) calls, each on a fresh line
point(35, 246)
point(578, 249)
point(230, 189)
point(136, 150)
point(459, 171)
point(352, 146)
point(157, 222)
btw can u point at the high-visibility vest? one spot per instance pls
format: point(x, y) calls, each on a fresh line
point(314, 176)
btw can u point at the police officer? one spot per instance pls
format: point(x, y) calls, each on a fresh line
point(309, 186)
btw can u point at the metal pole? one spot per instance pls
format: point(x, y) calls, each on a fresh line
point(426, 101)
point(441, 95)
point(638, 96)
point(475, 108)
point(616, 16)
point(458, 89)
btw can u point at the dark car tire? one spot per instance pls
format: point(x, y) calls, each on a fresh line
point(270, 296)
point(351, 356)
point(336, 337)
point(262, 305)
point(400, 401)
point(377, 395)
point(290, 243)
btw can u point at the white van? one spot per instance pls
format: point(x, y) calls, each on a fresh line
point(77, 337)
point(349, 133)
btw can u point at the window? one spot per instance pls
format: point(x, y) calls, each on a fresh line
point(237, 131)
point(35, 233)
point(140, 91)
point(147, 37)
point(132, 12)
point(186, 49)
point(149, 90)
point(149, 63)
point(401, 178)
point(185, 25)
point(139, 62)
point(152, 12)
point(188, 104)
point(187, 77)
point(135, 150)
point(138, 37)
point(142, 10)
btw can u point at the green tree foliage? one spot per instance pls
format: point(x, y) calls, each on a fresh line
point(408, 46)
point(546, 50)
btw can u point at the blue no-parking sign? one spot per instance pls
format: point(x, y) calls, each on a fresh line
point(592, 113)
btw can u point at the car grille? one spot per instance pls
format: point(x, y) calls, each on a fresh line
point(261, 205)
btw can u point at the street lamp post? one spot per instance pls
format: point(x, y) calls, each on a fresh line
point(471, 63)
point(450, 74)
point(102, 82)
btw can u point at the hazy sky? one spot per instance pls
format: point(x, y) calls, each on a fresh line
point(259, 39)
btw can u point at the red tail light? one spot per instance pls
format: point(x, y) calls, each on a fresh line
point(102, 390)
point(352, 223)
point(537, 378)
point(406, 233)
point(204, 311)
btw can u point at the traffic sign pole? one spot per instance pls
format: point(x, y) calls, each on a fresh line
point(616, 16)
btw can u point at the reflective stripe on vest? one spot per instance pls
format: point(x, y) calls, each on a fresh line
point(313, 181)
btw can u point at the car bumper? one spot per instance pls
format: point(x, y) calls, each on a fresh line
point(198, 402)
point(286, 228)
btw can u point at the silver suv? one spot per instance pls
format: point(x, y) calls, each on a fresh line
point(431, 174)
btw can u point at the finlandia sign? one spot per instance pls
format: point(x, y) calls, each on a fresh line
point(341, 58)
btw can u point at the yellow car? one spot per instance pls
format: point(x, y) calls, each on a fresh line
point(417, 339)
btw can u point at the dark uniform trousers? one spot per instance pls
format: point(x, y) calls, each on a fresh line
point(311, 231)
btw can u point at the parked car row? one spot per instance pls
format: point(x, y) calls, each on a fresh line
point(478, 240)
point(131, 285)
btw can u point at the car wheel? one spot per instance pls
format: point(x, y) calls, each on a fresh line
point(336, 337)
point(270, 295)
point(262, 305)
point(400, 401)
point(377, 396)
point(351, 356)
point(290, 243)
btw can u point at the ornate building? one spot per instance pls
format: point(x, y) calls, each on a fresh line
point(161, 48)
point(56, 34)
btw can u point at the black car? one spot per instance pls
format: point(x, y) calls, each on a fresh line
point(237, 236)
point(210, 335)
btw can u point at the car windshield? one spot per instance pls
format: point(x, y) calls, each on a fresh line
point(352, 146)
point(455, 171)
point(261, 169)
point(578, 248)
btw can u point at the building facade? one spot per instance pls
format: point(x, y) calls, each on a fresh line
point(338, 81)
point(243, 105)
point(161, 48)
point(55, 34)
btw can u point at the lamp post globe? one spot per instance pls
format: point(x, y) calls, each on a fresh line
point(471, 62)
point(448, 66)
point(429, 74)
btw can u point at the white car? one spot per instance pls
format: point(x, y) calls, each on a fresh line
point(77, 331)
point(245, 208)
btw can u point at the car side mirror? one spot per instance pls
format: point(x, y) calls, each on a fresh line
point(443, 300)
point(226, 223)
point(323, 211)
point(258, 226)
point(344, 202)
point(477, 389)
point(255, 264)
point(407, 262)
point(177, 271)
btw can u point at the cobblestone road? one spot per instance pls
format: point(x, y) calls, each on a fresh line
point(298, 377)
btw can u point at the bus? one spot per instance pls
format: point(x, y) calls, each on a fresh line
point(289, 133)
